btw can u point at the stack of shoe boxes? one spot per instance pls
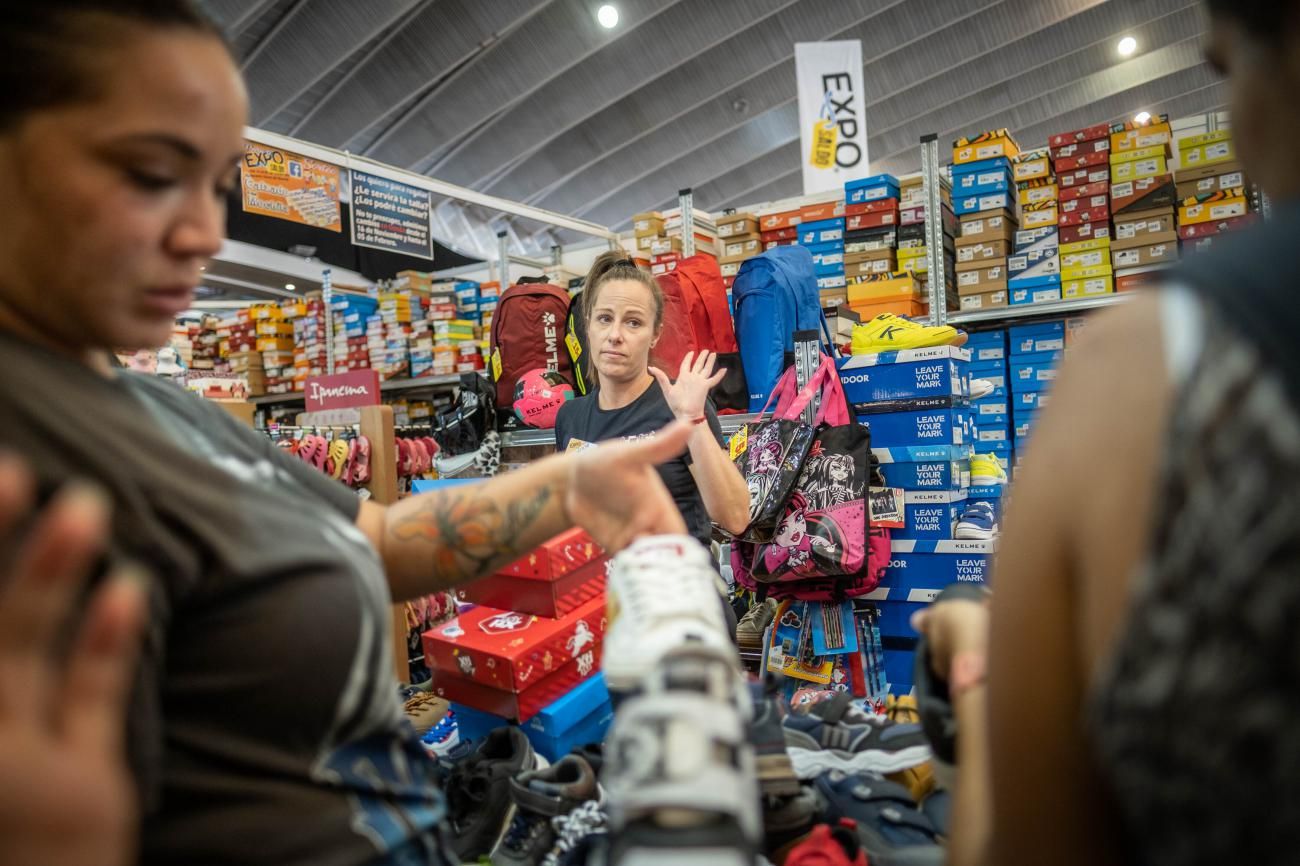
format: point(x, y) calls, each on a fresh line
point(821, 230)
point(533, 635)
point(984, 199)
point(350, 313)
point(309, 350)
point(1034, 352)
point(648, 230)
point(913, 235)
point(1034, 268)
point(1081, 160)
point(1143, 195)
point(738, 239)
point(666, 251)
point(778, 227)
point(1213, 197)
point(916, 405)
point(871, 230)
point(993, 431)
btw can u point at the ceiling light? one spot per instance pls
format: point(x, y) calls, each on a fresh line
point(607, 15)
point(289, 286)
point(1141, 117)
point(1127, 46)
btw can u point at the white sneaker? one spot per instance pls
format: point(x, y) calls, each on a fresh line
point(663, 594)
point(980, 388)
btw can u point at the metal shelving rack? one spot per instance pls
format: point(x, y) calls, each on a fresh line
point(1059, 308)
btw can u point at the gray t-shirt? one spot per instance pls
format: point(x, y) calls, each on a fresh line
point(266, 726)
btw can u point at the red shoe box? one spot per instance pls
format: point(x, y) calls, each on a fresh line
point(1089, 133)
point(1079, 148)
point(1202, 230)
point(1085, 215)
point(1079, 177)
point(877, 206)
point(555, 557)
point(787, 234)
point(512, 651)
point(880, 219)
point(1084, 232)
point(1085, 190)
point(1083, 160)
point(539, 596)
point(1092, 202)
point(521, 706)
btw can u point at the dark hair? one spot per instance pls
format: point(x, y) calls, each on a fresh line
point(1267, 20)
point(610, 266)
point(42, 42)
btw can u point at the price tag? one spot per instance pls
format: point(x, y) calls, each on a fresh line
point(825, 134)
point(739, 442)
point(575, 348)
point(496, 365)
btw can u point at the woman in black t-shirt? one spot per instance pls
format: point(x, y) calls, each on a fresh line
point(622, 310)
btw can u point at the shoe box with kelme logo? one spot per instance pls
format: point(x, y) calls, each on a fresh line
point(919, 570)
point(905, 375)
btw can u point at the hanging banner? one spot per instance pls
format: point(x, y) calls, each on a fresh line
point(392, 216)
point(832, 113)
point(285, 185)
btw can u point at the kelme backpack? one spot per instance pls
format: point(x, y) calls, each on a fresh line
point(528, 333)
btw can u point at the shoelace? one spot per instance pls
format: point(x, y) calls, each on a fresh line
point(523, 829)
point(572, 828)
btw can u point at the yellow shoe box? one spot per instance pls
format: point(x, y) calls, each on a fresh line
point(1088, 288)
point(1214, 206)
point(1207, 149)
point(986, 145)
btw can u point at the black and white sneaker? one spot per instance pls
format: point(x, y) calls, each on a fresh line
point(540, 796)
point(836, 735)
point(680, 770)
point(479, 806)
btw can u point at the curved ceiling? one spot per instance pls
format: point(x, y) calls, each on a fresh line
point(532, 100)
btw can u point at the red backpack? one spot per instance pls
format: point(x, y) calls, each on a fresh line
point(696, 317)
point(528, 333)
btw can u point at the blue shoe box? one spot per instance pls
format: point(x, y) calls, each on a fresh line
point(919, 570)
point(821, 248)
point(981, 353)
point(1036, 283)
point(981, 203)
point(875, 188)
point(983, 182)
point(1030, 401)
point(1035, 339)
point(1033, 240)
point(1033, 265)
point(473, 725)
point(995, 372)
point(1044, 295)
point(980, 494)
point(931, 514)
point(933, 427)
point(907, 375)
point(896, 619)
point(991, 411)
point(953, 475)
point(985, 436)
point(1034, 372)
point(821, 232)
point(977, 168)
point(578, 718)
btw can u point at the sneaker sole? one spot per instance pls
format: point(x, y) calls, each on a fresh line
point(968, 534)
point(811, 763)
point(777, 776)
point(986, 481)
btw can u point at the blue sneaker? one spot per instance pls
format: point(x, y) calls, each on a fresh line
point(976, 523)
point(836, 735)
point(889, 826)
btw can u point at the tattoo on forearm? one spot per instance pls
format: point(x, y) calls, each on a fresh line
point(470, 533)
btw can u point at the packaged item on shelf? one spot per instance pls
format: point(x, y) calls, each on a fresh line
point(824, 231)
point(945, 467)
point(944, 426)
point(875, 220)
point(930, 515)
point(737, 225)
point(1144, 228)
point(881, 186)
point(739, 249)
point(988, 277)
point(576, 719)
point(1032, 165)
point(1132, 279)
point(1085, 254)
point(1060, 143)
point(1033, 372)
point(1036, 338)
point(1034, 216)
point(649, 224)
point(987, 145)
point(919, 570)
point(1137, 164)
point(1213, 207)
point(970, 303)
point(978, 228)
point(1035, 290)
point(1132, 135)
point(1085, 232)
point(971, 256)
point(1033, 263)
point(981, 203)
point(871, 240)
point(1086, 288)
point(1207, 149)
point(1099, 173)
point(906, 375)
point(875, 288)
point(1037, 240)
point(1090, 163)
point(874, 263)
point(1038, 192)
point(1212, 178)
point(1098, 214)
point(768, 222)
point(1217, 227)
point(981, 178)
point(1142, 195)
point(1155, 254)
point(821, 212)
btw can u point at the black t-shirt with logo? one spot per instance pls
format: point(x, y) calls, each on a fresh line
point(583, 421)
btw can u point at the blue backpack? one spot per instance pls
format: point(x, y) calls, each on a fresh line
point(775, 294)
